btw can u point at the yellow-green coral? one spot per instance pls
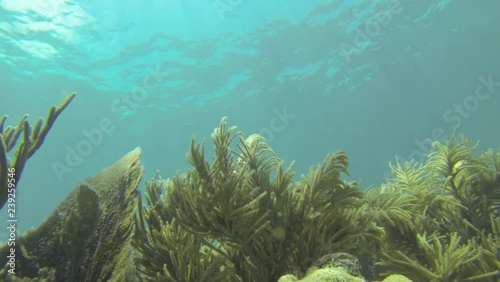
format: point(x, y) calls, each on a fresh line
point(396, 278)
point(244, 206)
point(441, 217)
point(330, 274)
point(243, 217)
point(33, 137)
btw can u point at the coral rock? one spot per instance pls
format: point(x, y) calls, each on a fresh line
point(87, 237)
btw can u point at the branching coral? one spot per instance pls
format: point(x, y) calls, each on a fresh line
point(253, 221)
point(243, 217)
point(453, 201)
point(32, 139)
point(167, 252)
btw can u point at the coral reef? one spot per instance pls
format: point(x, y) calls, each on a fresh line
point(33, 137)
point(330, 268)
point(244, 216)
point(87, 238)
point(437, 221)
point(344, 260)
point(441, 218)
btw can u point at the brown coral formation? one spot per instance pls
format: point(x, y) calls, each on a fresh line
point(87, 238)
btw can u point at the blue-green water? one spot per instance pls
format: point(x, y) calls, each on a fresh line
point(377, 79)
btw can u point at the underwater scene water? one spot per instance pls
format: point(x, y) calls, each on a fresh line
point(377, 103)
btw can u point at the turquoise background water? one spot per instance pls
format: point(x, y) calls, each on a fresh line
point(377, 79)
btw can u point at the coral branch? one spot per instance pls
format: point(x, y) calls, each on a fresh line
point(33, 138)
